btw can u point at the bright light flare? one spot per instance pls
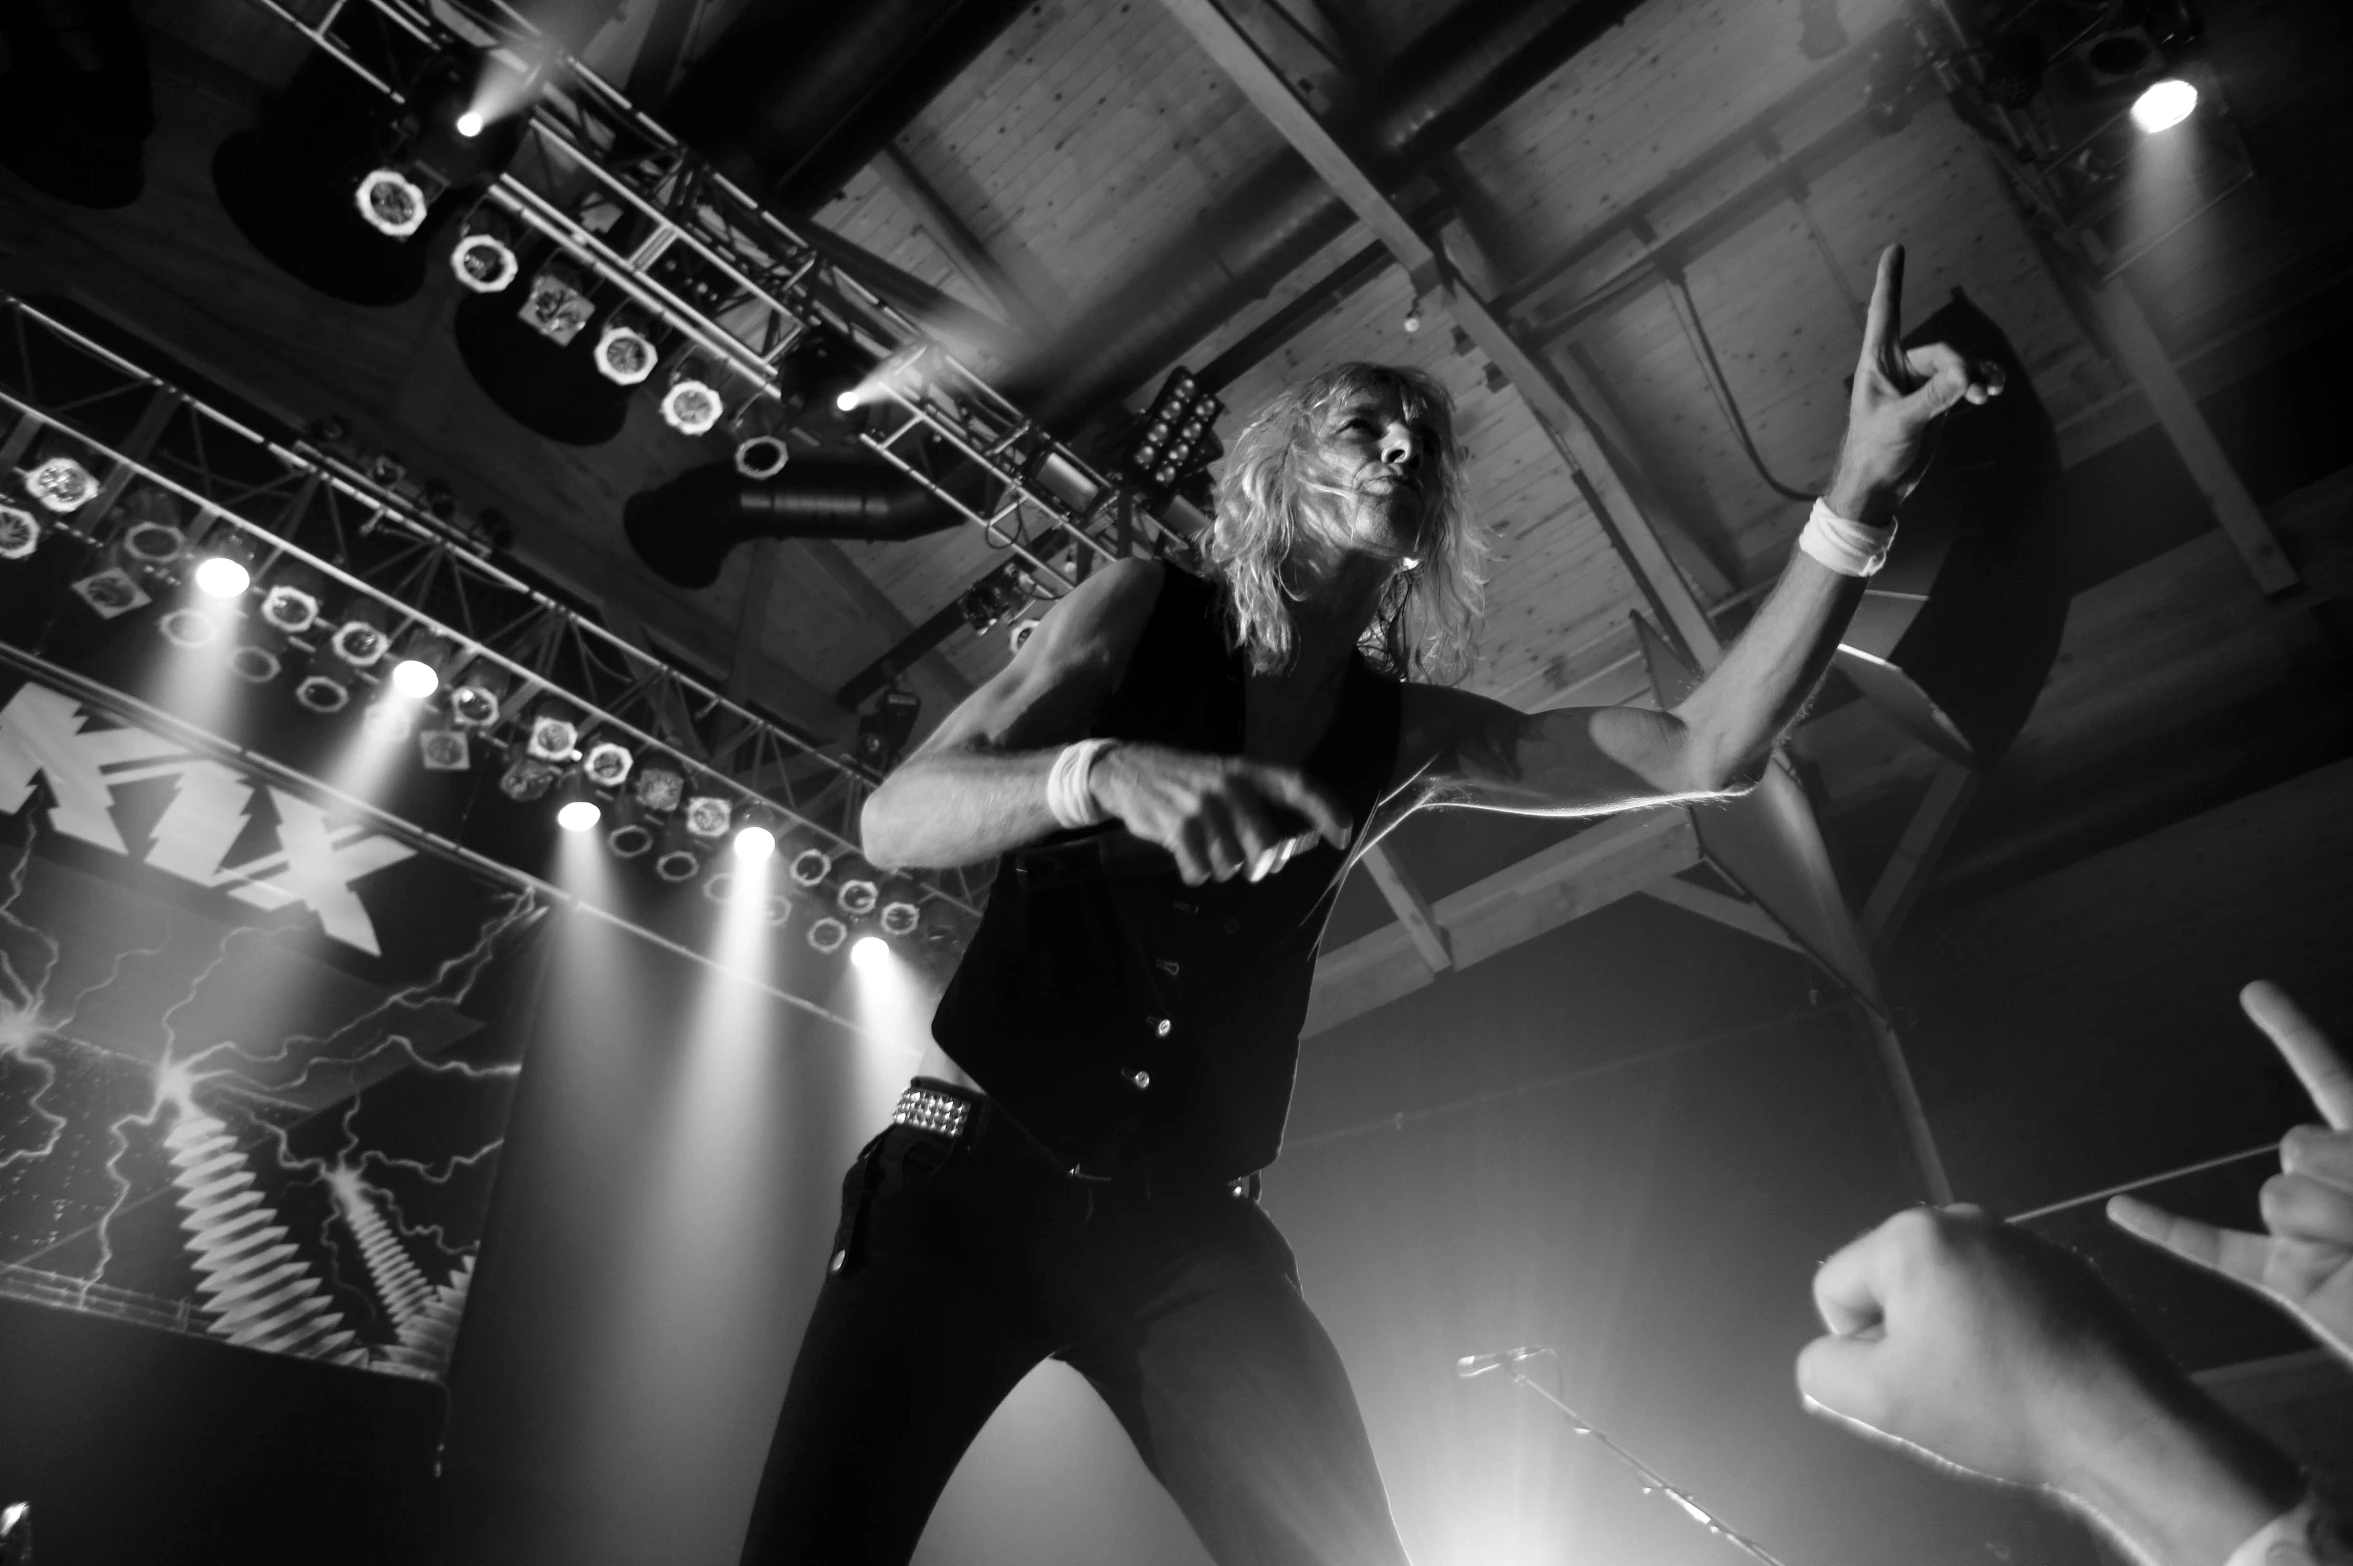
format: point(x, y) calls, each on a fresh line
point(848, 401)
point(579, 815)
point(2164, 105)
point(415, 678)
point(754, 843)
point(870, 952)
point(470, 124)
point(221, 577)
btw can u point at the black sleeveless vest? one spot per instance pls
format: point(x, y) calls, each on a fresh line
point(1144, 1021)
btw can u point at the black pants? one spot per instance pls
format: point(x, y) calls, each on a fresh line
point(963, 1264)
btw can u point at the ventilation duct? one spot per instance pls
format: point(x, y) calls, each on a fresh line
point(685, 529)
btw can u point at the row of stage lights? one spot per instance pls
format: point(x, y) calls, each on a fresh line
point(654, 813)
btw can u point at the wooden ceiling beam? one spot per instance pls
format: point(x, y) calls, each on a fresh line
point(1634, 532)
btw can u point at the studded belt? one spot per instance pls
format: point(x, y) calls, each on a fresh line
point(930, 1109)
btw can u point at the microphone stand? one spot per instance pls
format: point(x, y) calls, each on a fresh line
point(1651, 1478)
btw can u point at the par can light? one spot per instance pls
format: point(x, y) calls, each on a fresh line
point(761, 456)
point(810, 867)
point(2163, 105)
point(255, 665)
point(359, 643)
point(391, 203)
point(857, 898)
point(444, 750)
point(626, 356)
point(691, 407)
point(552, 738)
point(578, 815)
point(709, 816)
point(659, 789)
point(527, 778)
point(870, 951)
point(415, 678)
point(61, 485)
point(289, 610)
point(20, 534)
point(754, 843)
point(317, 693)
point(900, 918)
point(607, 764)
point(630, 840)
point(485, 264)
point(827, 935)
point(677, 865)
point(221, 576)
point(188, 628)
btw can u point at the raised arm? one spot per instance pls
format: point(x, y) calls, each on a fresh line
point(1473, 751)
point(977, 786)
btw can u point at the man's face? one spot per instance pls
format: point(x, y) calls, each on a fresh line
point(1389, 464)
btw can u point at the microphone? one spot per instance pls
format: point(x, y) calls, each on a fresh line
point(1479, 1364)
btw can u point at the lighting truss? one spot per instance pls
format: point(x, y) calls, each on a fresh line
point(740, 286)
point(422, 576)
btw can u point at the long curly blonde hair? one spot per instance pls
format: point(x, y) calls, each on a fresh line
point(1277, 490)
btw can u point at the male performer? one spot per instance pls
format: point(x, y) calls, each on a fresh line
point(1077, 1174)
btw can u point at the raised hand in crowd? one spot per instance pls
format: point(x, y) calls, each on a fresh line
point(2305, 1261)
point(1979, 1346)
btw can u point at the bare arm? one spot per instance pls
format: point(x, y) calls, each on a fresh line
point(1470, 750)
point(977, 786)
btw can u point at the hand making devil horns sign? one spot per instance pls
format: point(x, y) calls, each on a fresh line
point(1897, 397)
point(2306, 1261)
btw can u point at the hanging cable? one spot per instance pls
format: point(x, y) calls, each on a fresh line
point(1688, 313)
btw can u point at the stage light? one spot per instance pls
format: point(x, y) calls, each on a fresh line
point(607, 765)
point(857, 898)
point(484, 263)
point(361, 640)
point(847, 401)
point(659, 789)
point(900, 918)
point(289, 609)
point(223, 575)
point(554, 736)
point(761, 456)
point(691, 406)
point(60, 484)
point(188, 629)
point(626, 356)
point(111, 592)
point(827, 935)
point(678, 864)
point(20, 535)
point(870, 951)
point(810, 867)
point(709, 816)
point(475, 699)
point(444, 750)
point(415, 678)
point(557, 305)
point(320, 694)
point(2163, 105)
point(630, 839)
point(754, 842)
point(469, 124)
point(391, 203)
point(578, 815)
point(254, 664)
point(527, 778)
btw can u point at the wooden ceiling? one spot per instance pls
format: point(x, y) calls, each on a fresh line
point(1089, 141)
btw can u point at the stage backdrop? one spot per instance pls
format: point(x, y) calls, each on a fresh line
point(256, 1059)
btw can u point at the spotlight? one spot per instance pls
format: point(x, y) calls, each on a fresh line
point(761, 456)
point(255, 664)
point(289, 609)
point(554, 736)
point(691, 406)
point(810, 867)
point(416, 674)
point(1176, 438)
point(469, 124)
point(900, 918)
point(678, 864)
point(391, 203)
point(20, 535)
point(847, 401)
point(2163, 105)
point(188, 629)
point(1413, 317)
point(321, 694)
point(857, 898)
point(360, 640)
point(624, 355)
point(444, 750)
point(630, 840)
point(607, 765)
point(484, 263)
point(754, 842)
point(827, 935)
point(709, 816)
point(151, 540)
point(474, 701)
point(60, 484)
point(818, 383)
point(659, 789)
point(223, 576)
point(527, 778)
point(870, 951)
point(578, 815)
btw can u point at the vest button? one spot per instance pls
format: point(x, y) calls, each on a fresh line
point(1233, 927)
point(1162, 1027)
point(1167, 965)
point(1139, 1079)
point(834, 1263)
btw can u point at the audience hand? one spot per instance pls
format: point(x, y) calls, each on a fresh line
point(2306, 1261)
point(1978, 1345)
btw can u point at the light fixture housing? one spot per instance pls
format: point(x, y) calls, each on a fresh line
point(20, 533)
point(60, 484)
point(607, 764)
point(626, 356)
point(223, 576)
point(709, 816)
point(2164, 104)
point(827, 934)
point(484, 263)
point(392, 203)
point(444, 750)
point(692, 406)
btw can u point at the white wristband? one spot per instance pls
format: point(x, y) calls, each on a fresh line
point(1849, 548)
point(1067, 794)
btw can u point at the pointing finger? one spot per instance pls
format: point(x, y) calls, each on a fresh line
point(1882, 321)
point(2307, 1050)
